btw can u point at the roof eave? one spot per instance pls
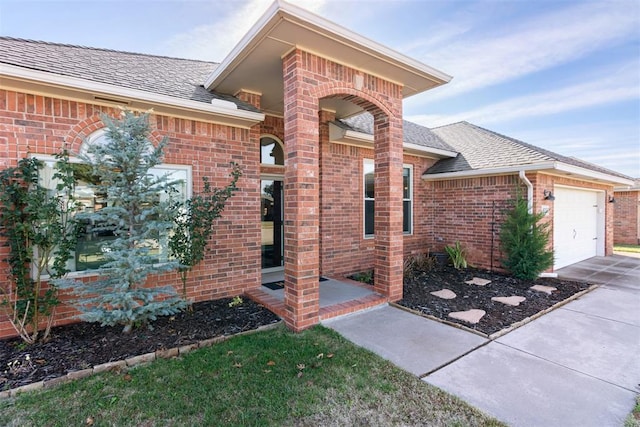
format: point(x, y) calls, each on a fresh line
point(340, 135)
point(557, 167)
point(282, 12)
point(51, 84)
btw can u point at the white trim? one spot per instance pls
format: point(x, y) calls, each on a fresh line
point(338, 135)
point(577, 172)
point(282, 11)
point(243, 117)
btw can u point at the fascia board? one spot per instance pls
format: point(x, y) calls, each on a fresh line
point(361, 139)
point(243, 117)
point(488, 172)
point(600, 176)
point(281, 10)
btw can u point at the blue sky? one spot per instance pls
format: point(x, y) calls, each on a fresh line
point(563, 75)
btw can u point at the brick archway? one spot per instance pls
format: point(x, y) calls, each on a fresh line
point(307, 79)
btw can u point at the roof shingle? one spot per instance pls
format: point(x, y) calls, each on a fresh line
point(480, 148)
point(179, 78)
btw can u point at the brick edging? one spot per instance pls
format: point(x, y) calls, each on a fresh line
point(129, 362)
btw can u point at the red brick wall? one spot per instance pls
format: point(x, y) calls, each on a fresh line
point(42, 125)
point(626, 218)
point(463, 210)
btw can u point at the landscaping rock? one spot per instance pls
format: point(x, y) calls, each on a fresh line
point(513, 300)
point(472, 316)
point(478, 281)
point(545, 289)
point(444, 294)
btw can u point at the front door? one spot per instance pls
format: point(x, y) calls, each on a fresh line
point(271, 217)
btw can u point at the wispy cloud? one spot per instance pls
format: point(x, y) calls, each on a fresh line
point(214, 41)
point(484, 57)
point(608, 89)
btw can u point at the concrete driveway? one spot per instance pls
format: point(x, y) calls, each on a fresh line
point(576, 366)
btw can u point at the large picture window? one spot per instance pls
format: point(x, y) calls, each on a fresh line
point(90, 247)
point(369, 199)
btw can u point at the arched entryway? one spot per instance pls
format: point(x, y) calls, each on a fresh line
point(306, 83)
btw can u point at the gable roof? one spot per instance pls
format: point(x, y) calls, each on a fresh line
point(482, 151)
point(413, 134)
point(173, 77)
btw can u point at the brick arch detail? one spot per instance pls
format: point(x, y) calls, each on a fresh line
point(82, 130)
point(365, 98)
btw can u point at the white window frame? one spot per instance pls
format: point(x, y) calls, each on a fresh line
point(366, 165)
point(167, 167)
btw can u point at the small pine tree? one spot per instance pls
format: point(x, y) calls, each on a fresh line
point(524, 241)
point(138, 219)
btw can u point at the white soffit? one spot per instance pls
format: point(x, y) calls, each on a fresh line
point(255, 64)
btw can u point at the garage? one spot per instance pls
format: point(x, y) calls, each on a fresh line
point(578, 225)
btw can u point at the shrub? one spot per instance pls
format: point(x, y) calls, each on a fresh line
point(524, 242)
point(458, 255)
point(417, 263)
point(41, 231)
point(138, 218)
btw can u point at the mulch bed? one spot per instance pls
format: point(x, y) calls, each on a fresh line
point(417, 296)
point(83, 345)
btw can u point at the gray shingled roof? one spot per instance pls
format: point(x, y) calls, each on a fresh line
point(413, 133)
point(179, 78)
point(481, 148)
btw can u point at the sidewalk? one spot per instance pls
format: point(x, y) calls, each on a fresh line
point(576, 366)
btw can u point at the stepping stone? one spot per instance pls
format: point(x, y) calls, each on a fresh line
point(546, 289)
point(478, 281)
point(444, 294)
point(514, 300)
point(472, 316)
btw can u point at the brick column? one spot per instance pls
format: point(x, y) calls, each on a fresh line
point(301, 194)
point(388, 203)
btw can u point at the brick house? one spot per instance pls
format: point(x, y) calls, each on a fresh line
point(313, 114)
point(626, 217)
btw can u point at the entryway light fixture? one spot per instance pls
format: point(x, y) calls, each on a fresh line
point(611, 199)
point(548, 195)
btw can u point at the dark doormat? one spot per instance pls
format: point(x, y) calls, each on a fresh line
point(274, 286)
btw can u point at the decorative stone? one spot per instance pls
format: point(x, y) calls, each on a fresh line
point(514, 300)
point(187, 348)
point(472, 316)
point(546, 289)
point(143, 358)
point(54, 382)
point(110, 366)
point(444, 294)
point(167, 353)
point(75, 375)
point(478, 281)
point(26, 388)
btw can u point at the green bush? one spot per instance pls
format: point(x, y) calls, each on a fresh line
point(524, 242)
point(458, 255)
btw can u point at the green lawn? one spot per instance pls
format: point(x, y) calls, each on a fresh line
point(627, 248)
point(272, 377)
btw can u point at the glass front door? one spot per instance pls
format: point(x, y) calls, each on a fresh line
point(272, 224)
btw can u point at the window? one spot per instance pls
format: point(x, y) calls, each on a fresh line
point(88, 254)
point(369, 200)
point(271, 152)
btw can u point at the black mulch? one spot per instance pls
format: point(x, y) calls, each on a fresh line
point(83, 345)
point(417, 296)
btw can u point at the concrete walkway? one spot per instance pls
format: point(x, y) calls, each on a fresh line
point(576, 366)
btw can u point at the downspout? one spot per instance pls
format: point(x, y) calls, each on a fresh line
point(526, 181)
point(529, 185)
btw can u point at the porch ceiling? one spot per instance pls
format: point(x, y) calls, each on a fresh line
point(255, 64)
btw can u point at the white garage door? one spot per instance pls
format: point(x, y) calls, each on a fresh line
point(575, 225)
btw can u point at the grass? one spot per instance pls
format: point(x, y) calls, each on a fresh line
point(273, 377)
point(627, 248)
point(633, 420)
